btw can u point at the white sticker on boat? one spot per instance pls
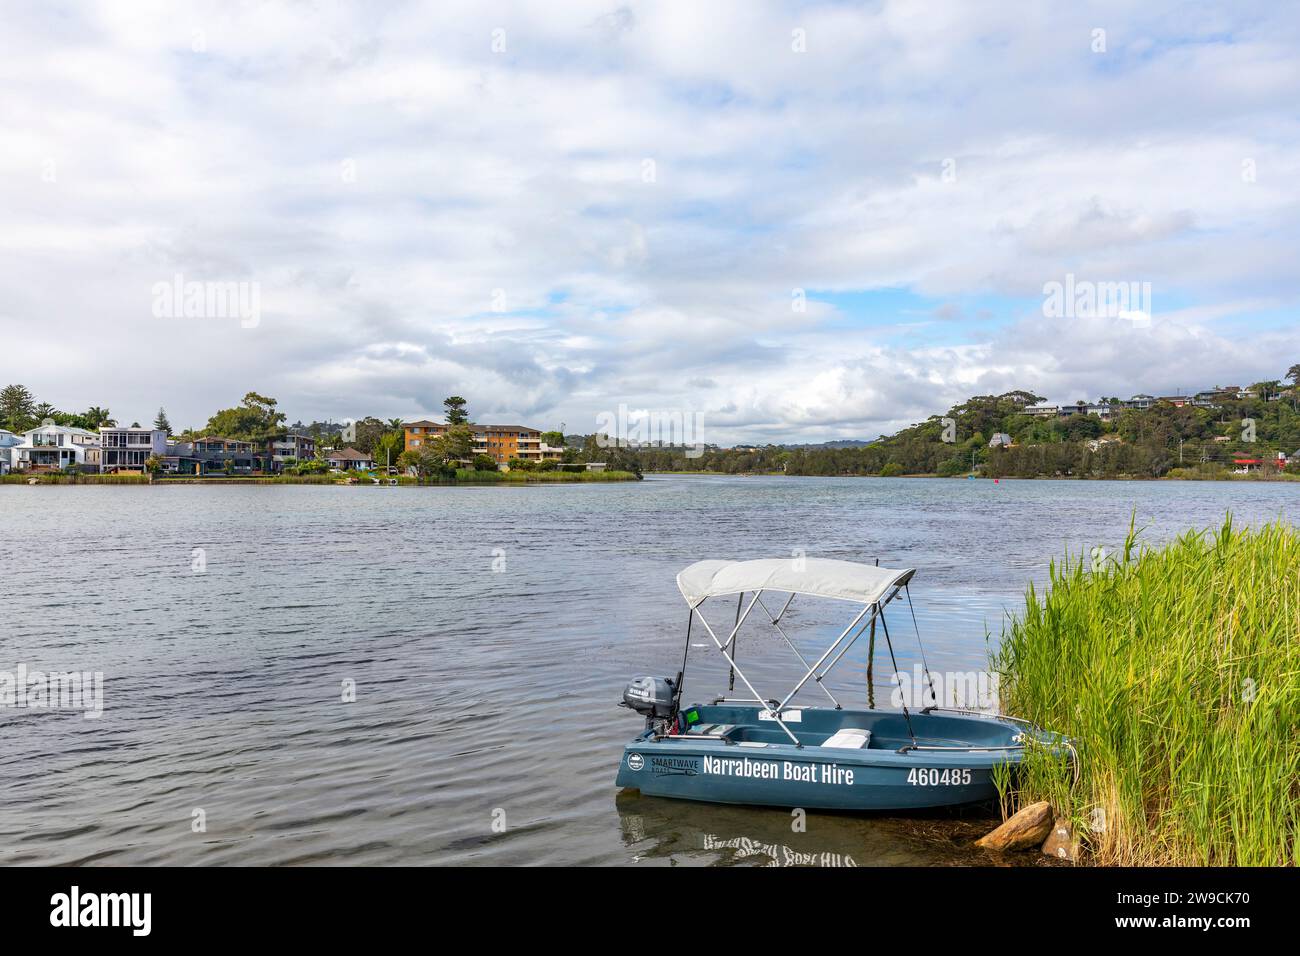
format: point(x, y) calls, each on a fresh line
point(789, 716)
point(635, 761)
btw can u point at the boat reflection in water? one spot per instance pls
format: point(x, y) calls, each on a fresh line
point(664, 831)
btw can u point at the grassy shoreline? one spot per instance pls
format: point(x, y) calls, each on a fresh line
point(463, 477)
point(1176, 671)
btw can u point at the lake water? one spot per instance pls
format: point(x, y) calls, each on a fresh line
point(489, 632)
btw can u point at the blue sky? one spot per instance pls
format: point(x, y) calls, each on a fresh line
point(555, 210)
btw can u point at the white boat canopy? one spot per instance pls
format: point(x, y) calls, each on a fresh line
point(869, 586)
point(819, 577)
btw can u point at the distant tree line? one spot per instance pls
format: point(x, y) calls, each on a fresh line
point(1144, 443)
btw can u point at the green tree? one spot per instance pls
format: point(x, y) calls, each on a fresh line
point(255, 419)
point(456, 444)
point(250, 420)
point(44, 410)
point(368, 432)
point(160, 421)
point(97, 417)
point(455, 410)
point(554, 439)
point(17, 408)
point(409, 460)
point(388, 448)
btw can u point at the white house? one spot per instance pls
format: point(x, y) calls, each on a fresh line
point(349, 459)
point(52, 447)
point(8, 441)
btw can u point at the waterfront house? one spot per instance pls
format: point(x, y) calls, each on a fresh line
point(209, 454)
point(293, 446)
point(349, 459)
point(51, 447)
point(8, 441)
point(1042, 411)
point(125, 450)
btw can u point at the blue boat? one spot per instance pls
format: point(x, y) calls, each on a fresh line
point(766, 751)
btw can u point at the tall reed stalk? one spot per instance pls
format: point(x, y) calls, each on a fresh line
point(1176, 670)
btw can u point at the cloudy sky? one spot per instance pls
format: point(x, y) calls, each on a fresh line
point(798, 221)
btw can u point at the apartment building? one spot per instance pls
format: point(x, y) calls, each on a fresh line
point(500, 442)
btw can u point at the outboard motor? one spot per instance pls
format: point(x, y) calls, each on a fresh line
point(654, 698)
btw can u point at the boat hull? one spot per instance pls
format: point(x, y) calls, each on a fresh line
point(810, 782)
point(881, 777)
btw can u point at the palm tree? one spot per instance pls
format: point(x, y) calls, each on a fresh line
point(99, 416)
point(45, 410)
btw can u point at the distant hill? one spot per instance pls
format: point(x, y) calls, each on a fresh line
point(995, 435)
point(839, 443)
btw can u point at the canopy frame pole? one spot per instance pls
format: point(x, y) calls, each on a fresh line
point(784, 607)
point(844, 650)
point(803, 660)
point(821, 660)
point(924, 663)
point(722, 649)
point(890, 644)
point(735, 643)
point(861, 631)
point(681, 674)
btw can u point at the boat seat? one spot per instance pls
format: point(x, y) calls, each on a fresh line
point(849, 738)
point(712, 729)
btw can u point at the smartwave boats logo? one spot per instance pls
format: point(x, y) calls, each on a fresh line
point(75, 909)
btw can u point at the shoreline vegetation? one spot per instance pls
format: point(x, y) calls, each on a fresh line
point(1240, 433)
point(1175, 671)
point(464, 476)
point(1175, 475)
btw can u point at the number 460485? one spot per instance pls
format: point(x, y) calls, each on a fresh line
point(931, 777)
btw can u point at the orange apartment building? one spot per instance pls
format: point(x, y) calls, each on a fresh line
point(501, 442)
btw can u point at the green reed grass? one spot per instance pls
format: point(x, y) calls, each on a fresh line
point(1176, 671)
